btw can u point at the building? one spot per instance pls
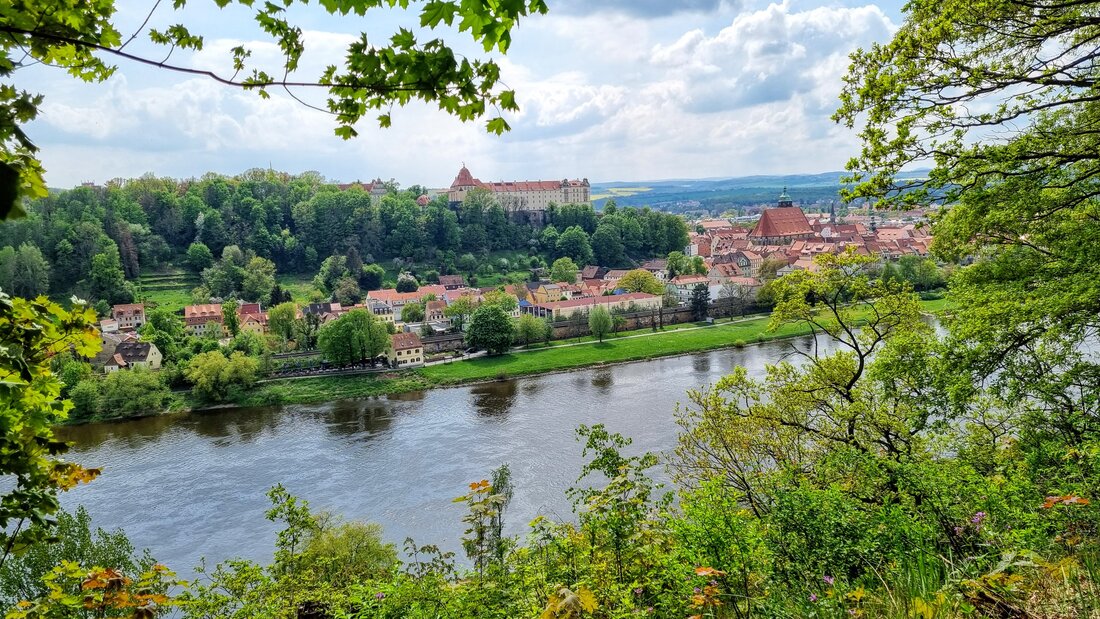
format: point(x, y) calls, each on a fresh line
point(129, 316)
point(397, 300)
point(433, 310)
point(405, 350)
point(452, 282)
point(375, 188)
point(682, 286)
point(130, 355)
point(782, 225)
point(522, 196)
point(197, 317)
point(573, 308)
point(254, 323)
point(381, 311)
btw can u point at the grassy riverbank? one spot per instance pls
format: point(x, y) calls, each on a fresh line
point(635, 346)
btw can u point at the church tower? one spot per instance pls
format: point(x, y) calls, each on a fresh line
point(785, 199)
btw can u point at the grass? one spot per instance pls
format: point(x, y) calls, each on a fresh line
point(674, 340)
point(299, 286)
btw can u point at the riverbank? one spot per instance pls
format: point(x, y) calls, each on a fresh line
point(559, 358)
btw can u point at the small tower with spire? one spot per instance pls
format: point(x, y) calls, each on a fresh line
point(785, 199)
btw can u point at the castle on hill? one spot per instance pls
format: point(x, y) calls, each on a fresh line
point(522, 197)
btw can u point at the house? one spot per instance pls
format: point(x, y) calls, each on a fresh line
point(682, 286)
point(658, 267)
point(547, 293)
point(320, 309)
point(381, 311)
point(197, 317)
point(131, 354)
point(594, 272)
point(450, 282)
point(397, 300)
point(248, 308)
point(433, 310)
point(405, 350)
point(254, 323)
point(108, 325)
point(563, 310)
point(130, 316)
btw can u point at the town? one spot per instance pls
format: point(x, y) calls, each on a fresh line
point(720, 272)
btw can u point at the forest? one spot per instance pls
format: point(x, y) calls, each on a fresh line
point(96, 241)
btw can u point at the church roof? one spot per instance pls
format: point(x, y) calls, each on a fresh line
point(782, 221)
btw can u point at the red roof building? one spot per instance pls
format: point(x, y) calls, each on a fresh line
point(781, 226)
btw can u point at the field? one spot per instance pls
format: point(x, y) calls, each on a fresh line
point(170, 288)
point(620, 192)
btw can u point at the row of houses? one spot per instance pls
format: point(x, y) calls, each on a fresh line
point(785, 234)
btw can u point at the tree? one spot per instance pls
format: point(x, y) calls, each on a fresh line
point(698, 265)
point(215, 377)
point(199, 257)
point(490, 329)
point(281, 320)
point(640, 280)
point(412, 312)
point(407, 283)
point(529, 329)
point(700, 301)
point(21, 575)
point(80, 37)
point(132, 392)
point(30, 273)
point(347, 291)
point(599, 322)
point(333, 269)
point(678, 264)
point(573, 243)
point(505, 301)
point(458, 310)
point(259, 279)
point(371, 277)
point(563, 270)
point(607, 245)
point(231, 320)
point(355, 337)
point(279, 296)
point(164, 329)
point(108, 280)
point(30, 456)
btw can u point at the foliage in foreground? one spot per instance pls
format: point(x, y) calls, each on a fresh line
point(859, 482)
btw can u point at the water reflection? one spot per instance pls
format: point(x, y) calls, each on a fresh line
point(359, 419)
point(495, 399)
point(701, 364)
point(187, 486)
point(603, 379)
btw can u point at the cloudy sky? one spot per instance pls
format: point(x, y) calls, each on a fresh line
point(609, 90)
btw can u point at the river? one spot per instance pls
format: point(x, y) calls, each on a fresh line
point(192, 486)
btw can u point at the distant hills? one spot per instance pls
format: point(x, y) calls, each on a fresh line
point(718, 195)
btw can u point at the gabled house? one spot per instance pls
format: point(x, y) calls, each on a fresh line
point(129, 316)
point(196, 319)
point(405, 350)
point(451, 282)
point(129, 355)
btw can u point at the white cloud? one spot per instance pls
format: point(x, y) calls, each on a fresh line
point(616, 95)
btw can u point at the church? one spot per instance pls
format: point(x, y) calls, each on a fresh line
point(782, 225)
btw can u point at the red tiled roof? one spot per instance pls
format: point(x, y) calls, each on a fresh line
point(452, 280)
point(508, 186)
point(128, 307)
point(207, 309)
point(405, 341)
point(389, 295)
point(606, 299)
point(782, 221)
point(684, 280)
point(465, 179)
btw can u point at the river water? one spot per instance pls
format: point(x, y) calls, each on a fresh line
point(192, 486)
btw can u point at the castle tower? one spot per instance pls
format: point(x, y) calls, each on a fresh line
point(785, 199)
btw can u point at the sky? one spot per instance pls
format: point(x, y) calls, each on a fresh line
point(609, 90)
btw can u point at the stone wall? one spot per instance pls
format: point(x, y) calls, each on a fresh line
point(443, 343)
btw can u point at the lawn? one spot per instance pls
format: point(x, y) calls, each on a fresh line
point(609, 351)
